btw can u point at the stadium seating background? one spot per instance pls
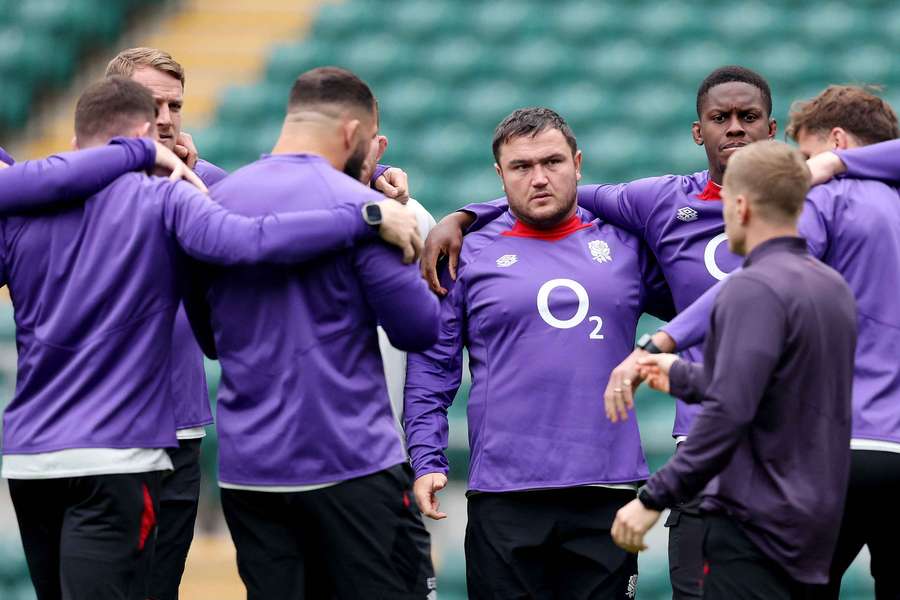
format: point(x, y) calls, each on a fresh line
point(624, 74)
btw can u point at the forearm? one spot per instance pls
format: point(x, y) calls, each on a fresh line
point(37, 184)
point(484, 212)
point(221, 237)
point(687, 381)
point(430, 389)
point(703, 455)
point(875, 161)
point(689, 327)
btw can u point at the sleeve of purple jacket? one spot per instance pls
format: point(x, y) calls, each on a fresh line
point(875, 161)
point(6, 158)
point(404, 306)
point(750, 325)
point(211, 233)
point(432, 380)
point(689, 327)
point(36, 184)
point(612, 203)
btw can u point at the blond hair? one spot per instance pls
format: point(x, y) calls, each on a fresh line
point(773, 176)
point(127, 61)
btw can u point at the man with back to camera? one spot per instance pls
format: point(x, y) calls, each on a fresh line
point(165, 78)
point(547, 302)
point(316, 487)
point(853, 225)
point(84, 434)
point(770, 449)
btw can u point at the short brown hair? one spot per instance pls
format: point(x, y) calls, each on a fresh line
point(773, 176)
point(531, 121)
point(331, 86)
point(110, 106)
point(127, 61)
point(853, 108)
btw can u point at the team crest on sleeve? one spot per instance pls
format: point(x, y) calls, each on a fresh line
point(600, 251)
point(686, 214)
point(507, 260)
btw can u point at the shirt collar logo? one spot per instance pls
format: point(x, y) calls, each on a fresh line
point(686, 214)
point(600, 251)
point(507, 260)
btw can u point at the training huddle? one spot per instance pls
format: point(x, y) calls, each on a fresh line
point(340, 314)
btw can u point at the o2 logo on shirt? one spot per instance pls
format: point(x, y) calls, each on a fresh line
point(543, 306)
point(709, 256)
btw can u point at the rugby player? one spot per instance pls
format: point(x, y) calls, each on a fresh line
point(771, 445)
point(547, 300)
point(316, 486)
point(159, 72)
point(95, 291)
point(679, 217)
point(853, 225)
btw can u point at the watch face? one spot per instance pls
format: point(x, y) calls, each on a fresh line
point(373, 214)
point(644, 340)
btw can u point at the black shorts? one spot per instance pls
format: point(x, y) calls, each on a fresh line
point(88, 538)
point(362, 538)
point(548, 544)
point(869, 520)
point(177, 514)
point(736, 569)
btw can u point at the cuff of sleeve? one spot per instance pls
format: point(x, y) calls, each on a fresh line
point(654, 496)
point(679, 379)
point(433, 462)
point(357, 229)
point(142, 151)
point(379, 171)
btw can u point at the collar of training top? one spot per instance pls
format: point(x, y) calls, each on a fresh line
point(712, 191)
point(788, 243)
point(562, 230)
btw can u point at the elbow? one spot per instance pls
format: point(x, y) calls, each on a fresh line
point(415, 336)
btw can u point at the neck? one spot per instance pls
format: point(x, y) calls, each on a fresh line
point(309, 138)
point(764, 233)
point(545, 224)
point(716, 174)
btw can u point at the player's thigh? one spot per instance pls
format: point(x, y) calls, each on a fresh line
point(270, 555)
point(40, 506)
point(736, 569)
point(509, 545)
point(373, 538)
point(588, 563)
point(108, 534)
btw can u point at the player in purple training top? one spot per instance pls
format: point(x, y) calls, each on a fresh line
point(547, 301)
point(95, 289)
point(679, 217)
point(165, 78)
point(853, 225)
point(316, 487)
point(770, 449)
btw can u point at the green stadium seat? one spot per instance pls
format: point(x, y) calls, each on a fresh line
point(423, 21)
point(504, 20)
point(338, 23)
point(455, 59)
point(245, 105)
point(582, 22)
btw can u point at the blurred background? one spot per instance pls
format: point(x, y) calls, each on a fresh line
point(624, 74)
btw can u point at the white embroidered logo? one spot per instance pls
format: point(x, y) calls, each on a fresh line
point(507, 260)
point(600, 251)
point(632, 587)
point(686, 214)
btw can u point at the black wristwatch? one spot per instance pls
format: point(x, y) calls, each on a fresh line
point(646, 343)
point(647, 501)
point(371, 213)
